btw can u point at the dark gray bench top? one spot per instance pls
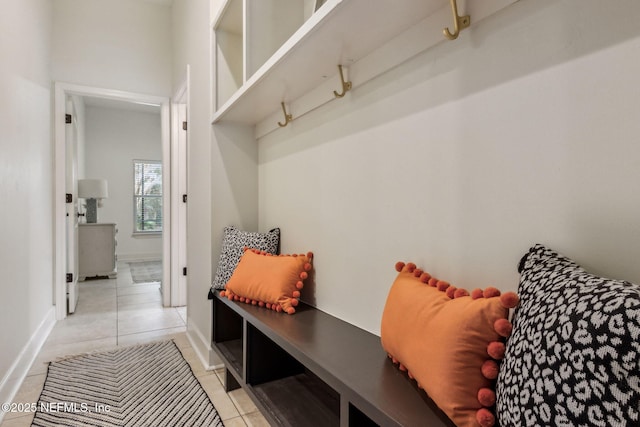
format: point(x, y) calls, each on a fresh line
point(350, 360)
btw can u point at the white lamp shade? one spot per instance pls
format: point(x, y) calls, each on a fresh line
point(93, 188)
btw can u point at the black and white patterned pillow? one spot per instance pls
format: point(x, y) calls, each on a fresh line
point(573, 358)
point(233, 244)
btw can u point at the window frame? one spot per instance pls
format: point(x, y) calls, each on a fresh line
point(137, 232)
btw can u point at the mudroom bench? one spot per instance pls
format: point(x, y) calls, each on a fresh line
point(313, 369)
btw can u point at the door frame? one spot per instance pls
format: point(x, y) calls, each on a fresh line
point(179, 185)
point(61, 90)
point(71, 187)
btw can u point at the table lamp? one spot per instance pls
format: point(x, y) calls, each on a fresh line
point(92, 190)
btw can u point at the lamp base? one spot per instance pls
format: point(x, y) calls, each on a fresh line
point(92, 211)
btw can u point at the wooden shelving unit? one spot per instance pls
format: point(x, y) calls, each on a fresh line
point(313, 369)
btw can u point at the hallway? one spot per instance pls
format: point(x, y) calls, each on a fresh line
point(119, 312)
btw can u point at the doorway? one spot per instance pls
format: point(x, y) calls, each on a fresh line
point(61, 236)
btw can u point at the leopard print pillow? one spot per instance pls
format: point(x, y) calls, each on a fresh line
point(233, 244)
point(573, 358)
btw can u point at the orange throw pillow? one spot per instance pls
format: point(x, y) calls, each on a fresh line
point(272, 281)
point(448, 340)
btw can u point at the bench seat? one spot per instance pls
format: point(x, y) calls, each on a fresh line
point(311, 368)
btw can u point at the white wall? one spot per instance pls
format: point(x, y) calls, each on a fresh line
point(26, 210)
point(114, 138)
point(115, 44)
point(523, 130)
point(190, 23)
point(222, 175)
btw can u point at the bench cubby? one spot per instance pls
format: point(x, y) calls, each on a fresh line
point(313, 369)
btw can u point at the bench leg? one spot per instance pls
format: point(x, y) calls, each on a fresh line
point(230, 382)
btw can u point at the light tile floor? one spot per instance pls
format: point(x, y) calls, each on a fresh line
point(118, 312)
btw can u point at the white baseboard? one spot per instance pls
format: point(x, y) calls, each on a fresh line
point(17, 373)
point(202, 347)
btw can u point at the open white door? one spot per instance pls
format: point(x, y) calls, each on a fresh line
point(71, 186)
point(179, 200)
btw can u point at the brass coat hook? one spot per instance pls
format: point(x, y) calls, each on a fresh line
point(346, 86)
point(459, 22)
point(287, 117)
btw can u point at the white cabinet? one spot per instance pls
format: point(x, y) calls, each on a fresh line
point(97, 250)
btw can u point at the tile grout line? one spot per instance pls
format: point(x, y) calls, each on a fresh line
point(92, 293)
point(120, 339)
point(117, 315)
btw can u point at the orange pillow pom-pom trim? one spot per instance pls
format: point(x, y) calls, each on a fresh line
point(494, 349)
point(270, 281)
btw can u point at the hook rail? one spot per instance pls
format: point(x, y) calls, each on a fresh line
point(346, 86)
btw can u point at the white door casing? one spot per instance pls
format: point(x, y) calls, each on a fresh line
point(71, 185)
point(180, 137)
point(61, 91)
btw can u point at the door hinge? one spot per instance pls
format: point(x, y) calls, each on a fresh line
point(184, 125)
point(69, 198)
point(69, 277)
point(68, 118)
point(184, 271)
point(184, 198)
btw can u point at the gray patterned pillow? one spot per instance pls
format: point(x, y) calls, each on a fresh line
point(573, 358)
point(233, 244)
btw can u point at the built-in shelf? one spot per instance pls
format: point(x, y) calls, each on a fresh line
point(340, 32)
point(230, 339)
point(344, 32)
point(293, 399)
point(232, 351)
point(246, 34)
point(229, 48)
point(291, 393)
point(313, 369)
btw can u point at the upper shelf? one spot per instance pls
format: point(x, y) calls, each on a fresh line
point(341, 32)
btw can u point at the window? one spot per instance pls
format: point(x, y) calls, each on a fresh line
point(147, 196)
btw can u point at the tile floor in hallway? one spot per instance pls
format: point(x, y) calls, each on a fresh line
point(118, 312)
